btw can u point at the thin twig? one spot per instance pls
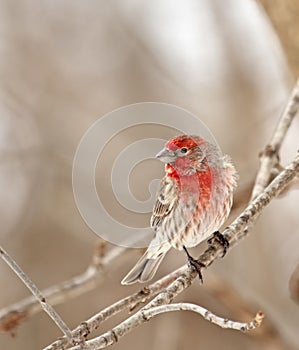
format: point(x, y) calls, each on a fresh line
point(269, 157)
point(13, 315)
point(234, 233)
point(37, 294)
point(206, 314)
point(100, 342)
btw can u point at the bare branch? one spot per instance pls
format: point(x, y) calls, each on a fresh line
point(206, 314)
point(269, 157)
point(236, 231)
point(36, 293)
point(108, 338)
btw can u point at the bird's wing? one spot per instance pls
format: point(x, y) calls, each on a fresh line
point(166, 201)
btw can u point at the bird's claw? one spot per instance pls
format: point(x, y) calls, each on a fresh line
point(195, 264)
point(222, 240)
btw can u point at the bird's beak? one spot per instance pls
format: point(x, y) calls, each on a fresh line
point(166, 156)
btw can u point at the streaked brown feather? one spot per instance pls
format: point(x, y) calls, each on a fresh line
point(166, 201)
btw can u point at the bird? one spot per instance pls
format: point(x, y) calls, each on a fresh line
point(193, 201)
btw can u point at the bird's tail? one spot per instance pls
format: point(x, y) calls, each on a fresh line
point(144, 269)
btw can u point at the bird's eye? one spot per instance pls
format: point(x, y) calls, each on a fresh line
point(184, 150)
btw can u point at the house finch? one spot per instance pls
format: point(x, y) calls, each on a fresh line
point(193, 201)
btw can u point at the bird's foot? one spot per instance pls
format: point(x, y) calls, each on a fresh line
point(195, 264)
point(219, 238)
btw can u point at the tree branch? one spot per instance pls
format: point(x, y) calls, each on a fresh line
point(206, 314)
point(110, 337)
point(269, 157)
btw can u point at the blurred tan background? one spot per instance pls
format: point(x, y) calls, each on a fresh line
point(65, 64)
